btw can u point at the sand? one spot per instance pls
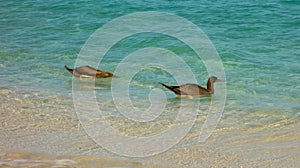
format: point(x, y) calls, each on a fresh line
point(45, 132)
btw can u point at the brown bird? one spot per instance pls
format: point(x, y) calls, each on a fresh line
point(194, 89)
point(89, 72)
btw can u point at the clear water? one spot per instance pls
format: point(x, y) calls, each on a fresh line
point(258, 42)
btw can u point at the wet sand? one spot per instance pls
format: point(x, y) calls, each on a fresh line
point(45, 132)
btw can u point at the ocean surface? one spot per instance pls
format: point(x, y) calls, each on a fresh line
point(257, 42)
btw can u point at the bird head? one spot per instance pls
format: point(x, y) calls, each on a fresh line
point(214, 79)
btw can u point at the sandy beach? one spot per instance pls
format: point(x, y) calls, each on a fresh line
point(30, 138)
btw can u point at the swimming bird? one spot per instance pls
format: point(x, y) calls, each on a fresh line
point(89, 72)
point(194, 89)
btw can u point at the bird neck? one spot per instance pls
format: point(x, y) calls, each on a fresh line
point(210, 86)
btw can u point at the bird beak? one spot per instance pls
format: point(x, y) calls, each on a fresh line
point(220, 80)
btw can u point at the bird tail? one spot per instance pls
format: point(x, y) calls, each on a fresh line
point(166, 86)
point(172, 88)
point(68, 69)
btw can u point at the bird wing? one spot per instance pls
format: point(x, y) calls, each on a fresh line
point(191, 89)
point(87, 70)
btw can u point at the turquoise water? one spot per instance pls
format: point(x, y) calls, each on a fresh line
point(258, 43)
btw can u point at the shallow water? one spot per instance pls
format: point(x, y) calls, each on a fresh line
point(257, 43)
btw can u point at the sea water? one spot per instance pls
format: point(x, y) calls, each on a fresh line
point(258, 44)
